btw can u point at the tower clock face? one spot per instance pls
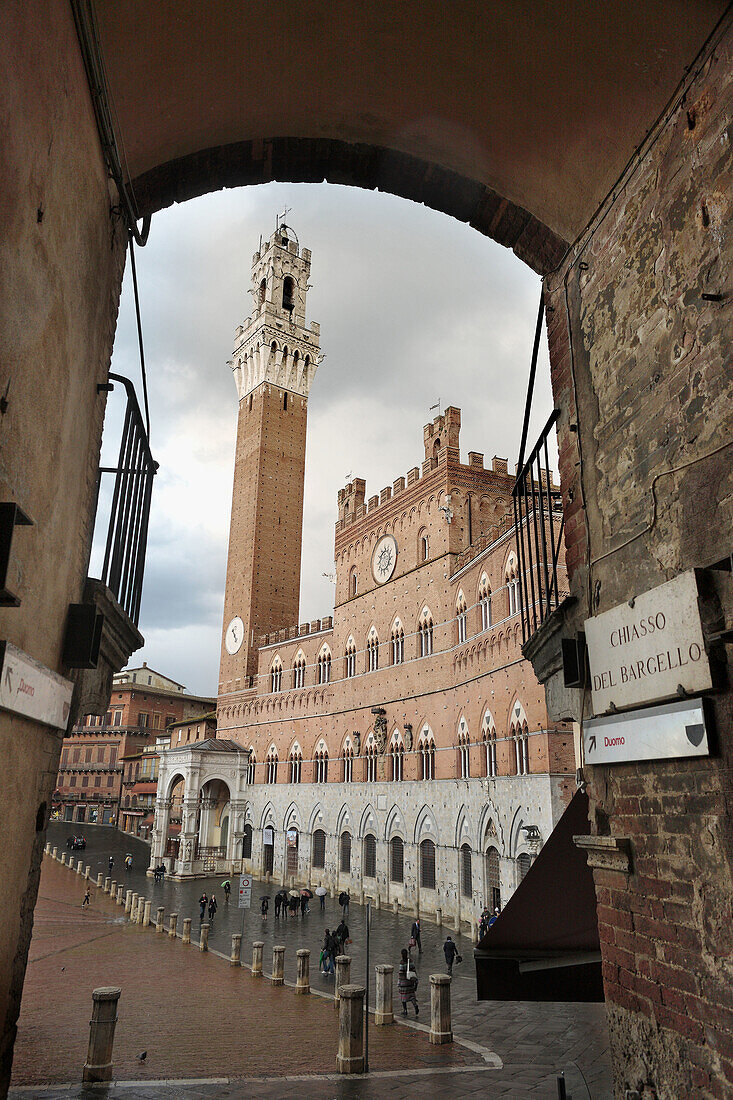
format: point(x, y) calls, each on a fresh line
point(384, 559)
point(234, 636)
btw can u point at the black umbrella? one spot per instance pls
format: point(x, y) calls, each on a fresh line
point(265, 897)
point(306, 893)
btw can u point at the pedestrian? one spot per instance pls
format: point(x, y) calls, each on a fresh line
point(415, 935)
point(203, 902)
point(321, 892)
point(407, 984)
point(342, 935)
point(278, 905)
point(87, 898)
point(294, 906)
point(451, 954)
point(213, 906)
point(264, 906)
point(495, 916)
point(344, 903)
point(128, 862)
point(227, 887)
point(483, 923)
point(328, 954)
point(111, 863)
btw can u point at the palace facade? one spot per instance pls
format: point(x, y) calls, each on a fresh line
point(400, 748)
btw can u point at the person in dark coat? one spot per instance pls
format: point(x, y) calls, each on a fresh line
point(203, 902)
point(407, 984)
point(294, 903)
point(213, 906)
point(344, 900)
point(450, 951)
point(278, 904)
point(342, 935)
point(415, 934)
point(330, 948)
point(264, 906)
point(303, 904)
point(494, 917)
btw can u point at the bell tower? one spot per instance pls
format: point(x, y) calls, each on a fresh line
point(274, 362)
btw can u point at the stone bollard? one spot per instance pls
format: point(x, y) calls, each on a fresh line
point(172, 925)
point(395, 906)
point(62, 858)
point(350, 1057)
point(440, 1027)
point(303, 984)
point(343, 976)
point(384, 1013)
point(186, 937)
point(100, 880)
point(106, 886)
point(47, 849)
point(137, 911)
point(54, 853)
point(120, 894)
point(235, 959)
point(87, 872)
point(159, 920)
point(98, 1066)
point(439, 917)
point(204, 938)
point(128, 901)
point(79, 867)
point(112, 888)
point(257, 949)
point(278, 966)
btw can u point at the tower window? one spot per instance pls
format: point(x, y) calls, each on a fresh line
point(263, 290)
point(288, 294)
point(285, 402)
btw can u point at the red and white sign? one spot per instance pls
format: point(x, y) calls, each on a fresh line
point(658, 733)
point(245, 891)
point(29, 688)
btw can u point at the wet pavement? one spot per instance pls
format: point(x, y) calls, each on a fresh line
point(536, 1042)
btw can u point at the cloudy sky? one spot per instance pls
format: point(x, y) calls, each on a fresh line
point(414, 308)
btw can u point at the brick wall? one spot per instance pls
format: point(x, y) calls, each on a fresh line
point(641, 372)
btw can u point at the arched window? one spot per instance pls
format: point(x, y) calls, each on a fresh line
point(350, 658)
point(320, 769)
point(372, 662)
point(462, 618)
point(488, 735)
point(352, 582)
point(348, 763)
point(288, 294)
point(271, 769)
point(427, 865)
point(426, 748)
point(263, 290)
point(423, 549)
point(425, 631)
point(466, 871)
point(397, 755)
point(396, 859)
point(484, 602)
point(511, 575)
point(370, 856)
point(521, 748)
point(370, 757)
point(296, 763)
point(464, 751)
point(276, 675)
point(324, 666)
point(299, 671)
point(398, 643)
point(345, 853)
point(492, 878)
point(523, 865)
point(319, 849)
point(251, 767)
point(247, 842)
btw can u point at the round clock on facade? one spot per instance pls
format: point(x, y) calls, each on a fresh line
point(234, 636)
point(384, 559)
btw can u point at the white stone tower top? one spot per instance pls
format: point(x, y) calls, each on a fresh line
point(274, 345)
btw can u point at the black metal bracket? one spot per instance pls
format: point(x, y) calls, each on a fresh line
point(83, 635)
point(11, 516)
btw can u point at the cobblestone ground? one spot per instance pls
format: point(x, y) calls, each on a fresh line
point(534, 1041)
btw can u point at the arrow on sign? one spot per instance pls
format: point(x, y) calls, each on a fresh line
point(8, 681)
point(591, 742)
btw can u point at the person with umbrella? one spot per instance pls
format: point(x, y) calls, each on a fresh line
point(264, 905)
point(344, 903)
point(321, 895)
point(227, 888)
point(305, 896)
point(294, 902)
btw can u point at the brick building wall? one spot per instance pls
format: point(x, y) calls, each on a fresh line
point(639, 327)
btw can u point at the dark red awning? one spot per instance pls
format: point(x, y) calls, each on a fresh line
point(545, 945)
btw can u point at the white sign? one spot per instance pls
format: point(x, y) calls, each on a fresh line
point(648, 648)
point(659, 733)
point(29, 688)
point(245, 891)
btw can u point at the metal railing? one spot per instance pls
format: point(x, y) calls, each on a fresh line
point(127, 535)
point(537, 512)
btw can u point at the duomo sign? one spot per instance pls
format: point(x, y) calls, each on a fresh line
point(649, 649)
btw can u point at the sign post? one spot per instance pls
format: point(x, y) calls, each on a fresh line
point(245, 896)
